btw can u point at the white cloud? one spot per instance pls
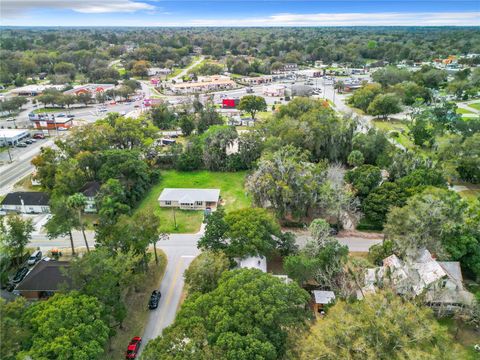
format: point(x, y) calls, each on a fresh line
point(15, 8)
point(351, 19)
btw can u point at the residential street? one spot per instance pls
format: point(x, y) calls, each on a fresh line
point(180, 249)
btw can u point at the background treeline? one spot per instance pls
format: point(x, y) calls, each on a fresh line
point(66, 53)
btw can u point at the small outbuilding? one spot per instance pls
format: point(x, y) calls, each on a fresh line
point(90, 190)
point(321, 299)
point(189, 199)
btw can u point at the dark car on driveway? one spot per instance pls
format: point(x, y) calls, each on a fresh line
point(133, 347)
point(20, 275)
point(154, 299)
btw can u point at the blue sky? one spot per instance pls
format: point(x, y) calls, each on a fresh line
point(239, 13)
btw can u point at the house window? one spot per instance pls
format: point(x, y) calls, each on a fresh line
point(168, 203)
point(199, 203)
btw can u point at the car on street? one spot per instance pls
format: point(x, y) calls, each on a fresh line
point(21, 273)
point(154, 299)
point(34, 258)
point(22, 145)
point(61, 115)
point(133, 347)
point(136, 106)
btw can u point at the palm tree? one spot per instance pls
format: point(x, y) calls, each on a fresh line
point(77, 202)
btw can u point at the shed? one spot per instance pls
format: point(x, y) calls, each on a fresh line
point(322, 298)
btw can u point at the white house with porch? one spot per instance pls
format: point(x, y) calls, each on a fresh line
point(190, 199)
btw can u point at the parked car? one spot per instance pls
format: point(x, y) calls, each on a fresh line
point(22, 145)
point(136, 106)
point(29, 141)
point(61, 115)
point(154, 299)
point(34, 258)
point(61, 128)
point(38, 136)
point(20, 275)
point(133, 347)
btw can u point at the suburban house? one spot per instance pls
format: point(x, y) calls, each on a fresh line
point(43, 280)
point(190, 199)
point(90, 190)
point(438, 283)
point(26, 202)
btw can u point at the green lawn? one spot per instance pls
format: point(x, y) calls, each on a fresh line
point(470, 194)
point(231, 187)
point(398, 126)
point(463, 111)
point(464, 335)
point(475, 105)
point(48, 110)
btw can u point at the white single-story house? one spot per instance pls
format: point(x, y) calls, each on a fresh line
point(26, 202)
point(190, 199)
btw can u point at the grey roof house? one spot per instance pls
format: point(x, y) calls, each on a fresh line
point(189, 199)
point(44, 280)
point(26, 202)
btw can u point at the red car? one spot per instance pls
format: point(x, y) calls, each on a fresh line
point(133, 348)
point(38, 136)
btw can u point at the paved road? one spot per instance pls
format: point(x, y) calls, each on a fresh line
point(11, 173)
point(180, 249)
point(185, 71)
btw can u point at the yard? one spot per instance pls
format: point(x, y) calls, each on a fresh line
point(463, 111)
point(231, 187)
point(394, 125)
point(475, 105)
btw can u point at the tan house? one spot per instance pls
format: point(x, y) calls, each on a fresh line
point(189, 199)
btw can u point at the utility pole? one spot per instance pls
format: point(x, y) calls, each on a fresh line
point(8, 147)
point(174, 218)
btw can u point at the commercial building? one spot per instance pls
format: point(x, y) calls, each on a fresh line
point(50, 122)
point(206, 83)
point(12, 137)
point(190, 199)
point(26, 202)
point(89, 88)
point(34, 90)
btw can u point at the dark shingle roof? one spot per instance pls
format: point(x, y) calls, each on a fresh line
point(91, 188)
point(29, 198)
point(45, 276)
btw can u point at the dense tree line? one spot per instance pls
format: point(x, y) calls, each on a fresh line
point(67, 53)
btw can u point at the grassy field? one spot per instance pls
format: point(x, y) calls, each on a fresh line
point(398, 126)
point(137, 310)
point(470, 194)
point(231, 187)
point(465, 336)
point(463, 111)
point(48, 110)
point(475, 105)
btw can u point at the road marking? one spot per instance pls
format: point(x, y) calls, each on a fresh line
point(187, 256)
point(170, 290)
